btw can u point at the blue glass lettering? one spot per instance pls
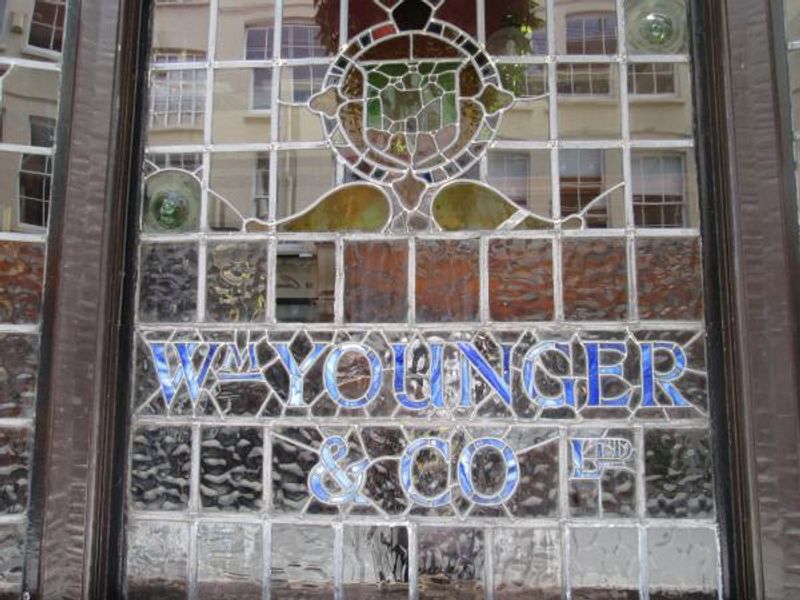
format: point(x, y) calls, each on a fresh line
point(479, 362)
point(597, 372)
point(407, 471)
point(297, 372)
point(511, 478)
point(437, 397)
point(592, 456)
point(375, 375)
point(652, 379)
point(239, 366)
point(350, 480)
point(567, 395)
point(171, 382)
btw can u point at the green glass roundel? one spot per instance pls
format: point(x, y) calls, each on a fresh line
point(657, 28)
point(172, 202)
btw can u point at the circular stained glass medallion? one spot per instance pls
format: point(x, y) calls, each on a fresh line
point(172, 201)
point(412, 99)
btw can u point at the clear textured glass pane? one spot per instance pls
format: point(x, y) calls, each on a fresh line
point(15, 458)
point(682, 563)
point(231, 462)
point(678, 474)
point(297, 570)
point(160, 468)
point(451, 563)
point(168, 284)
point(527, 564)
point(19, 357)
point(12, 547)
point(236, 281)
point(229, 561)
point(791, 19)
point(664, 188)
point(157, 560)
point(604, 563)
point(375, 562)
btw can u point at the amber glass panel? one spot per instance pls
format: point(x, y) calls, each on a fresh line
point(595, 279)
point(21, 272)
point(668, 278)
point(520, 280)
point(447, 280)
point(376, 280)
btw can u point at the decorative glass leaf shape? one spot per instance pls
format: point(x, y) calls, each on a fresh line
point(351, 207)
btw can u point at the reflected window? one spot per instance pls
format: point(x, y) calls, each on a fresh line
point(47, 25)
point(261, 186)
point(298, 40)
point(43, 131)
point(510, 172)
point(581, 177)
point(259, 42)
point(177, 96)
point(584, 79)
point(35, 175)
point(588, 34)
point(301, 40)
point(306, 80)
point(659, 188)
point(261, 98)
point(592, 33)
point(188, 161)
point(651, 79)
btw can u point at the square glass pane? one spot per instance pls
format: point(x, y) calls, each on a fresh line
point(588, 100)
point(306, 278)
point(242, 105)
point(304, 176)
point(660, 101)
point(245, 30)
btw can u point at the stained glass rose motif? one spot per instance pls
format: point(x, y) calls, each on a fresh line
point(411, 102)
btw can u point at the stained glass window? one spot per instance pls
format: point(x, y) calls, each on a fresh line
point(430, 323)
point(30, 73)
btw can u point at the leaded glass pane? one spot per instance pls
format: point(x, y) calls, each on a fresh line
point(420, 305)
point(31, 43)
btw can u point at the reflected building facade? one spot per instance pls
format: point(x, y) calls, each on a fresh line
point(31, 35)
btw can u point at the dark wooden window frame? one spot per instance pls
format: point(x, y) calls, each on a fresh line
point(75, 534)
